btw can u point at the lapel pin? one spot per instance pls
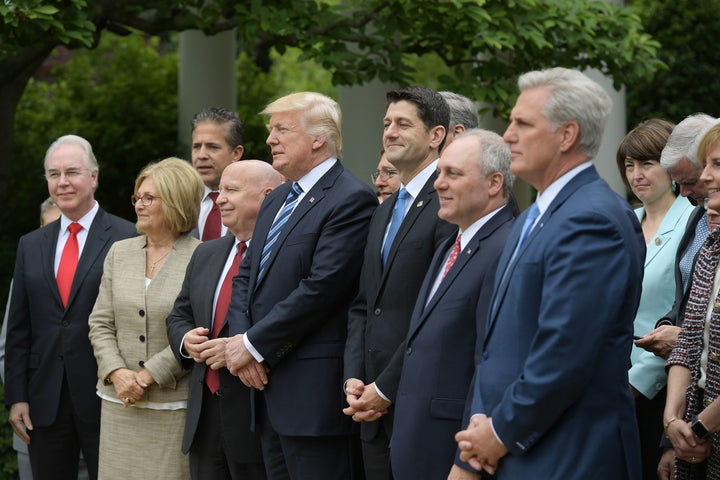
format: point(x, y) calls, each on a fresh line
point(312, 199)
point(419, 204)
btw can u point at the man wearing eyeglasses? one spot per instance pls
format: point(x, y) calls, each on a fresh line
point(385, 178)
point(50, 368)
point(402, 238)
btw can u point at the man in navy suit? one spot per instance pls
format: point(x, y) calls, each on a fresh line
point(290, 300)
point(551, 397)
point(217, 427)
point(448, 321)
point(50, 369)
point(414, 132)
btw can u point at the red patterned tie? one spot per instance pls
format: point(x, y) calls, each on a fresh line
point(68, 263)
point(454, 253)
point(212, 377)
point(213, 222)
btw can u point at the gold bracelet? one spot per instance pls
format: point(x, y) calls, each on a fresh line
point(669, 422)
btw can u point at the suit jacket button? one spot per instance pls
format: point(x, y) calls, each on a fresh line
point(408, 351)
point(142, 338)
point(64, 323)
point(377, 311)
point(142, 313)
point(141, 363)
point(713, 357)
point(485, 356)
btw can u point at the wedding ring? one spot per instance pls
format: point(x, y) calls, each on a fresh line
point(692, 459)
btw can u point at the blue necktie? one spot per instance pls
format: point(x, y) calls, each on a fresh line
point(395, 222)
point(277, 226)
point(532, 215)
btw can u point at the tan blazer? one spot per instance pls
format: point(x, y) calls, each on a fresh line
point(127, 325)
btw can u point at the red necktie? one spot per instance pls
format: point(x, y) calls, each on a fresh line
point(454, 253)
point(212, 377)
point(213, 222)
point(68, 263)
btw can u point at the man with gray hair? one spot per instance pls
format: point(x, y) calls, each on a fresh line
point(448, 322)
point(552, 376)
point(50, 369)
point(463, 115)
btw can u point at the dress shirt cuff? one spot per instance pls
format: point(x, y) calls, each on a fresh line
point(379, 392)
point(183, 352)
point(252, 350)
point(495, 433)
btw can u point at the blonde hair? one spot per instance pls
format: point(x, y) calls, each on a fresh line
point(180, 188)
point(707, 143)
point(320, 115)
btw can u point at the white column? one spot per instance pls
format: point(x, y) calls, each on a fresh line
point(206, 77)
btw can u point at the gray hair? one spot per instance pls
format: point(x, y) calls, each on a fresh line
point(88, 156)
point(685, 140)
point(574, 97)
point(463, 111)
point(494, 155)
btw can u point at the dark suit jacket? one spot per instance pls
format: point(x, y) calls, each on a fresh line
point(45, 340)
point(194, 308)
point(674, 316)
point(296, 317)
point(440, 353)
point(553, 374)
point(380, 314)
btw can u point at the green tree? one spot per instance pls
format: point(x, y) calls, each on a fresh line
point(689, 85)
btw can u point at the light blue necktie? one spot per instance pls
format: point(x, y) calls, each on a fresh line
point(395, 222)
point(532, 215)
point(277, 226)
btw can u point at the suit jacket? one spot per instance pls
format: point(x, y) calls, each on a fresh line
point(440, 353)
point(674, 316)
point(127, 325)
point(194, 308)
point(296, 317)
point(553, 374)
point(647, 373)
point(380, 314)
point(47, 341)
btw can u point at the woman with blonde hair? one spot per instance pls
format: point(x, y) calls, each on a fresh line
point(143, 389)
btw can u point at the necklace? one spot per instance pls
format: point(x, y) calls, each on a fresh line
point(154, 264)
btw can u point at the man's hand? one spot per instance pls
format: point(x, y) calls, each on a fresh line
point(214, 353)
point(479, 446)
point(660, 341)
point(19, 419)
point(194, 343)
point(254, 375)
point(370, 406)
point(236, 354)
point(127, 387)
point(457, 473)
point(666, 466)
point(353, 390)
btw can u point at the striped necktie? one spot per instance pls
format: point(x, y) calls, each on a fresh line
point(277, 226)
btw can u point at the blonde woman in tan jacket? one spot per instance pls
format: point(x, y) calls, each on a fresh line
point(142, 387)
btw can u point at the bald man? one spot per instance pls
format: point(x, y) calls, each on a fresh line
point(217, 429)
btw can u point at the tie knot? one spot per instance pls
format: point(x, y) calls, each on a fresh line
point(458, 240)
point(241, 247)
point(297, 188)
point(533, 212)
point(213, 196)
point(404, 194)
point(74, 228)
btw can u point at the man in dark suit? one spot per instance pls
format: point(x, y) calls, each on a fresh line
point(217, 427)
point(415, 124)
point(441, 347)
point(217, 136)
point(50, 370)
point(290, 300)
point(551, 397)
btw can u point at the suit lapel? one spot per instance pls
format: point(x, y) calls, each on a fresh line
point(505, 267)
point(47, 257)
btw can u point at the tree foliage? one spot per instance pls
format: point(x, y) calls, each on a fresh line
point(688, 86)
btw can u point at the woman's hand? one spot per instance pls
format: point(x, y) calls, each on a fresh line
point(127, 387)
point(688, 446)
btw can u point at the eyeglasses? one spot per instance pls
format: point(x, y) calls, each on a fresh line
point(383, 175)
point(70, 174)
point(146, 199)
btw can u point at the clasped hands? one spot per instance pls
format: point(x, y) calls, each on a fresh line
point(231, 353)
point(365, 404)
point(479, 446)
point(130, 385)
point(687, 445)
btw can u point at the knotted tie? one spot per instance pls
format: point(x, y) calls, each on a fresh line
point(68, 263)
point(395, 222)
point(212, 377)
point(277, 226)
point(213, 222)
point(454, 253)
point(532, 215)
